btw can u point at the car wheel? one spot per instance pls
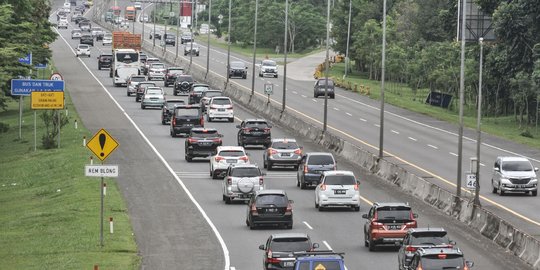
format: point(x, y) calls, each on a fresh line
point(302, 185)
point(494, 189)
point(244, 77)
point(260, 75)
point(231, 120)
point(228, 200)
point(252, 225)
point(264, 164)
point(275, 76)
point(99, 67)
point(128, 94)
point(224, 198)
point(366, 243)
point(197, 54)
point(163, 122)
point(269, 165)
point(371, 244)
point(143, 107)
point(209, 119)
point(534, 193)
point(333, 97)
point(356, 208)
point(289, 226)
point(321, 208)
point(173, 134)
point(175, 93)
point(315, 96)
point(188, 158)
point(297, 182)
point(501, 191)
point(316, 204)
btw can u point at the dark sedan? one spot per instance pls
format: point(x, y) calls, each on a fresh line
point(168, 109)
point(238, 69)
point(197, 90)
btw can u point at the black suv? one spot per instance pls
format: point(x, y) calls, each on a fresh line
point(202, 142)
point(270, 207)
point(280, 249)
point(87, 39)
point(186, 37)
point(183, 84)
point(168, 109)
point(311, 167)
point(197, 90)
point(421, 238)
point(104, 61)
point(439, 258)
point(254, 131)
point(169, 39)
point(171, 73)
point(238, 69)
point(184, 118)
point(320, 87)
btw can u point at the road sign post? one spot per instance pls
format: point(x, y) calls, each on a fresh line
point(268, 90)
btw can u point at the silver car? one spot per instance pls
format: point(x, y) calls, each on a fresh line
point(191, 47)
point(241, 182)
point(337, 188)
point(156, 71)
point(514, 174)
point(76, 33)
point(268, 68)
point(282, 152)
point(153, 97)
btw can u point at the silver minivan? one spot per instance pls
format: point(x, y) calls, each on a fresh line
point(514, 174)
point(241, 182)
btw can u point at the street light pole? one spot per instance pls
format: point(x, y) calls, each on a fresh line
point(348, 40)
point(381, 118)
point(178, 26)
point(461, 98)
point(142, 14)
point(254, 49)
point(478, 123)
point(154, 33)
point(229, 45)
point(327, 66)
point(285, 55)
point(208, 43)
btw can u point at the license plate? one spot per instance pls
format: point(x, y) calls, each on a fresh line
point(271, 210)
point(205, 143)
point(285, 154)
point(288, 264)
point(221, 110)
point(231, 160)
point(340, 191)
point(188, 125)
point(256, 133)
point(393, 227)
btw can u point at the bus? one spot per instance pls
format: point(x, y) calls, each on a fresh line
point(126, 62)
point(130, 13)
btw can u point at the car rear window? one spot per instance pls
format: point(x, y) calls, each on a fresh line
point(245, 172)
point(430, 238)
point(200, 88)
point(83, 46)
point(158, 65)
point(256, 124)
point(290, 244)
point(231, 153)
point(204, 134)
point(327, 265)
point(171, 104)
point(269, 199)
point(517, 166)
point(394, 213)
point(320, 160)
point(187, 112)
point(284, 145)
point(339, 180)
point(138, 79)
point(176, 71)
point(442, 261)
point(212, 94)
point(153, 92)
point(323, 82)
point(185, 79)
point(221, 101)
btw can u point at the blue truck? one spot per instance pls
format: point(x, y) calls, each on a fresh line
point(319, 260)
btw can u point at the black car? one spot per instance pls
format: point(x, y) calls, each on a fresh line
point(202, 142)
point(171, 73)
point(238, 69)
point(197, 90)
point(104, 61)
point(169, 39)
point(280, 249)
point(183, 84)
point(87, 39)
point(421, 238)
point(439, 258)
point(311, 167)
point(184, 118)
point(186, 37)
point(254, 132)
point(320, 88)
point(139, 89)
point(80, 18)
point(168, 109)
point(270, 207)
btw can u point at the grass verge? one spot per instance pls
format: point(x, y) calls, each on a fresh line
point(50, 210)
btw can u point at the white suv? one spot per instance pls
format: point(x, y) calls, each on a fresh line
point(63, 23)
point(241, 182)
point(156, 71)
point(337, 188)
point(515, 174)
point(268, 67)
point(82, 49)
point(224, 157)
point(220, 107)
point(132, 83)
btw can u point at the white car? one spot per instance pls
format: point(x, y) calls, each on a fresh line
point(132, 83)
point(63, 23)
point(268, 68)
point(226, 156)
point(82, 49)
point(76, 33)
point(220, 107)
point(107, 40)
point(191, 47)
point(241, 182)
point(137, 5)
point(153, 98)
point(96, 31)
point(156, 71)
point(144, 18)
point(337, 189)
point(67, 5)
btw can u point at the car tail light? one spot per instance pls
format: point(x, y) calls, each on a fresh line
point(323, 187)
point(247, 130)
point(244, 158)
point(465, 267)
point(202, 121)
point(213, 107)
point(218, 158)
point(376, 225)
point(217, 140)
point(305, 169)
point(335, 167)
point(410, 249)
point(269, 255)
point(230, 108)
point(411, 224)
point(356, 186)
point(441, 256)
point(298, 152)
point(261, 181)
point(229, 180)
point(266, 130)
point(419, 267)
point(288, 211)
point(254, 212)
point(174, 121)
point(272, 151)
point(191, 140)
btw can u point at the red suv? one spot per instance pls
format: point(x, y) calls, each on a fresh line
point(388, 223)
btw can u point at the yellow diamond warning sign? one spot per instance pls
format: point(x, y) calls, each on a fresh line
point(319, 267)
point(102, 144)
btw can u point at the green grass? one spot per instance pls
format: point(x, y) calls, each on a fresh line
point(403, 97)
point(49, 210)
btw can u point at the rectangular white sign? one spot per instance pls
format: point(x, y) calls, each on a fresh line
point(101, 170)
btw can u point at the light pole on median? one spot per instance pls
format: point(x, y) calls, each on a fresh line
point(285, 55)
point(142, 14)
point(178, 26)
point(229, 45)
point(381, 118)
point(478, 124)
point(254, 49)
point(348, 40)
point(208, 42)
point(154, 33)
point(326, 66)
point(461, 98)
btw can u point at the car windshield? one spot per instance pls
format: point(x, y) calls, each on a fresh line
point(221, 101)
point(204, 133)
point(106, 58)
point(290, 244)
point(320, 160)
point(327, 265)
point(339, 180)
point(285, 145)
point(393, 213)
point(153, 92)
point(519, 166)
point(256, 124)
point(437, 262)
point(430, 238)
point(245, 172)
point(146, 84)
point(200, 88)
point(323, 82)
point(127, 57)
point(269, 63)
point(231, 153)
point(170, 36)
point(187, 112)
point(238, 65)
point(83, 46)
point(138, 79)
point(172, 103)
point(176, 71)
point(271, 199)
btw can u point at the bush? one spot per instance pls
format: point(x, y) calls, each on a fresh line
point(4, 127)
point(527, 134)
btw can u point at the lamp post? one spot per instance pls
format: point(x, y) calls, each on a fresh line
point(142, 14)
point(154, 33)
point(478, 123)
point(461, 98)
point(348, 40)
point(254, 49)
point(208, 42)
point(178, 26)
point(327, 66)
point(381, 118)
point(229, 45)
point(285, 56)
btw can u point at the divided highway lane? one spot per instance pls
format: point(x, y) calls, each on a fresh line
point(340, 230)
point(424, 145)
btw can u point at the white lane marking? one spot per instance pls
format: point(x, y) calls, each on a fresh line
point(482, 164)
point(314, 100)
point(336, 109)
point(327, 245)
point(453, 154)
point(412, 139)
point(349, 114)
point(169, 168)
point(363, 120)
point(233, 268)
point(307, 225)
point(294, 92)
point(377, 125)
point(304, 96)
point(395, 132)
point(433, 146)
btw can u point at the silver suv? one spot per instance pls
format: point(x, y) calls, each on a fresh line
point(514, 174)
point(241, 182)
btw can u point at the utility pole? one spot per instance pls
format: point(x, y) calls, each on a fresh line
point(208, 43)
point(326, 66)
point(348, 40)
point(381, 118)
point(285, 55)
point(229, 45)
point(254, 49)
point(461, 98)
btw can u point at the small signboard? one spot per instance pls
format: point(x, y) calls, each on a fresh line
point(41, 65)
point(47, 100)
point(26, 59)
point(102, 144)
point(101, 170)
point(56, 77)
point(268, 89)
point(471, 181)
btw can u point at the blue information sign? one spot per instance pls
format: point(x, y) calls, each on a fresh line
point(42, 65)
point(26, 60)
point(25, 87)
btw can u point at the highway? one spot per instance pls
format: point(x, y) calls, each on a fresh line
point(169, 228)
